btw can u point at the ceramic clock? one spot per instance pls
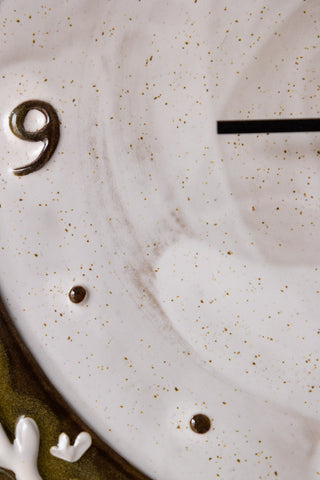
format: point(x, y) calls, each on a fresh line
point(159, 239)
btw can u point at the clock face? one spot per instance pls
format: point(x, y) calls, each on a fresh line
point(164, 276)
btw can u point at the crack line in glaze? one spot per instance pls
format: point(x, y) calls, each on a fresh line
point(49, 134)
point(21, 457)
point(71, 453)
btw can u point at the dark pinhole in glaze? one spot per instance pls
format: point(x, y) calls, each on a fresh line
point(77, 294)
point(200, 423)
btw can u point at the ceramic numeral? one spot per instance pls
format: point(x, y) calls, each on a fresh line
point(49, 134)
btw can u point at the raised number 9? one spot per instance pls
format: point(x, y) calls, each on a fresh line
point(49, 134)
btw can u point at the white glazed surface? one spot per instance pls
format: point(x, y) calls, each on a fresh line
point(21, 457)
point(200, 253)
point(71, 453)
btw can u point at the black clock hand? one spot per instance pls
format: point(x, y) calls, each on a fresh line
point(269, 126)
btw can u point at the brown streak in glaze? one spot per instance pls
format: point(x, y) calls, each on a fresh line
point(49, 134)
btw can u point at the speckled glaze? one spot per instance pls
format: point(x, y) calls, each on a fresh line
point(199, 252)
point(26, 391)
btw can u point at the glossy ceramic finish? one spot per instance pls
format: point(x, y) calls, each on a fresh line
point(22, 456)
point(199, 253)
point(25, 390)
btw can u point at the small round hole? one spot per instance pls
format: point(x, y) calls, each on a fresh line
point(200, 423)
point(77, 294)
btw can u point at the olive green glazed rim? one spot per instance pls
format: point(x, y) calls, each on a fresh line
point(26, 391)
